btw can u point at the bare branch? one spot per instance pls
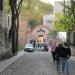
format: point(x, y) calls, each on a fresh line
point(20, 9)
point(19, 4)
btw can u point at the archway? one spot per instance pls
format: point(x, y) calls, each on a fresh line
point(40, 34)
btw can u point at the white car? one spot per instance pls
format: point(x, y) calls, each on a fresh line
point(29, 48)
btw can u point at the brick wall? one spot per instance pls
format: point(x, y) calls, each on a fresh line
point(22, 32)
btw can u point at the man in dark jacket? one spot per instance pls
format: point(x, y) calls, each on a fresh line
point(65, 58)
point(63, 53)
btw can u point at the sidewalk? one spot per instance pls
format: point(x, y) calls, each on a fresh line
point(72, 58)
point(72, 53)
point(7, 62)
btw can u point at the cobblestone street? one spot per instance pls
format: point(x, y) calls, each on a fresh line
point(35, 63)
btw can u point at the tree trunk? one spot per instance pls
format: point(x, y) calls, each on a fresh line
point(17, 29)
point(13, 32)
point(14, 28)
point(1, 5)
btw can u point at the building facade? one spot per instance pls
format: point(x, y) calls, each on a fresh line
point(40, 33)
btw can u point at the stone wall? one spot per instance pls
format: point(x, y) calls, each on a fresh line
point(5, 45)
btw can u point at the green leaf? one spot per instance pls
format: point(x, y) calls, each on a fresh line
point(35, 9)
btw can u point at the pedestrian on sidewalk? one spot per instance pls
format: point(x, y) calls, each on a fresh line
point(53, 47)
point(65, 58)
point(63, 51)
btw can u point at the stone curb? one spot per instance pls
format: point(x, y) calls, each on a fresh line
point(5, 63)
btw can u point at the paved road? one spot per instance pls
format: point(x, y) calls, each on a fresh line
point(35, 63)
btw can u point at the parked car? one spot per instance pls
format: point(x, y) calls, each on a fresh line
point(29, 48)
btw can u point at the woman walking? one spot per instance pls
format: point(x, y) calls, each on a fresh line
point(53, 47)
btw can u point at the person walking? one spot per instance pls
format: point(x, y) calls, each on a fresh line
point(53, 47)
point(65, 58)
point(64, 53)
point(58, 57)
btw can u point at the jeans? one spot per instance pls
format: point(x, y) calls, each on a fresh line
point(63, 65)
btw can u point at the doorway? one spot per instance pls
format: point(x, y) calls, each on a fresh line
point(40, 39)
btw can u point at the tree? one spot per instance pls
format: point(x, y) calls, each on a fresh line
point(28, 6)
point(63, 22)
point(66, 22)
point(1, 5)
point(53, 33)
point(32, 23)
point(7, 7)
point(15, 6)
point(35, 9)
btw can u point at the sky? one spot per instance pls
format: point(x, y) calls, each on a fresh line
point(50, 1)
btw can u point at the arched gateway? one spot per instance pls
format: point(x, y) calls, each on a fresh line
point(40, 34)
